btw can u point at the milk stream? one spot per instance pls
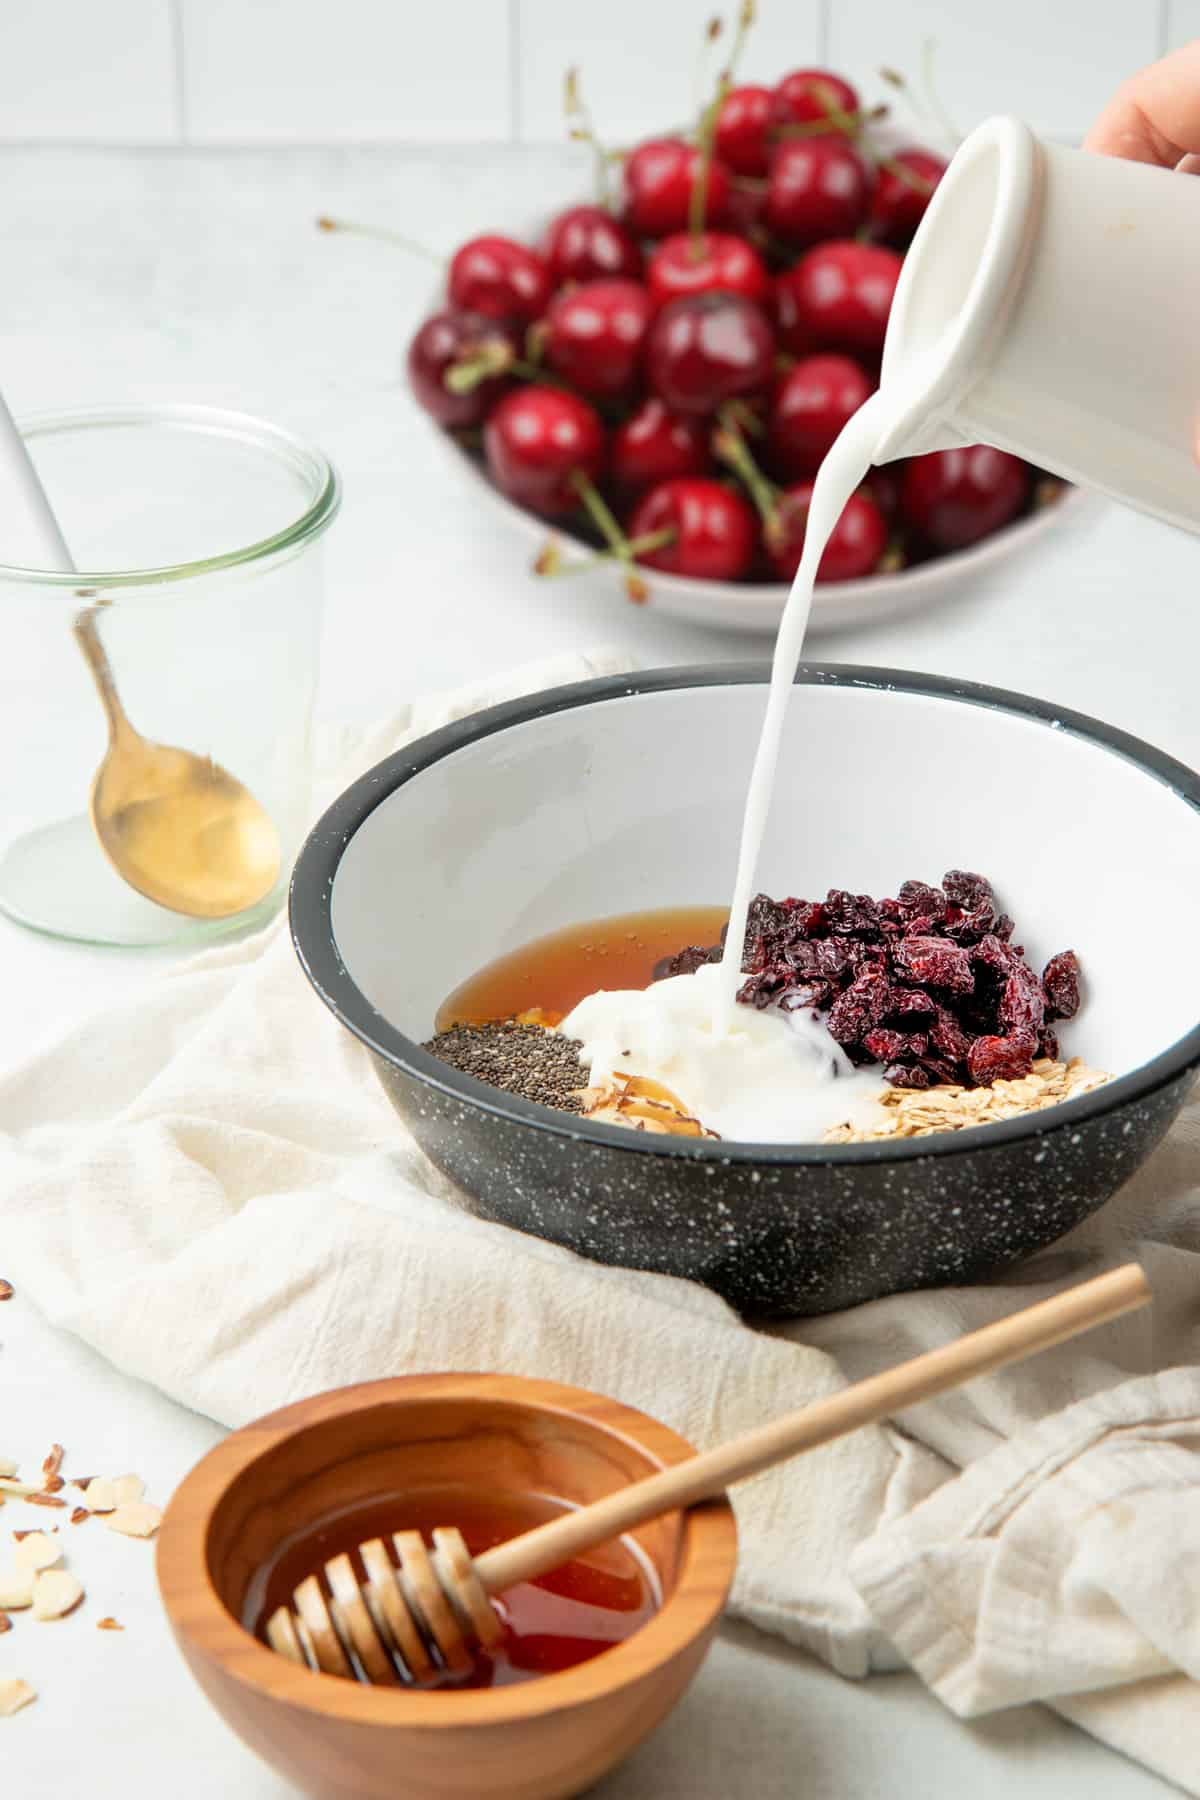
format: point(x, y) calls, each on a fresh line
point(842, 471)
point(751, 1076)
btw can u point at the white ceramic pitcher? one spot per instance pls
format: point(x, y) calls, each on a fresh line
point(1051, 301)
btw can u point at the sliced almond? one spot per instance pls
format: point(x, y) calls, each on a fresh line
point(109, 1625)
point(5, 1623)
point(128, 1488)
point(40, 1499)
point(16, 1590)
point(22, 1489)
point(79, 1514)
point(56, 1593)
point(53, 1462)
point(7, 1466)
point(102, 1495)
point(6, 1290)
point(13, 1696)
point(53, 1484)
point(37, 1551)
point(136, 1518)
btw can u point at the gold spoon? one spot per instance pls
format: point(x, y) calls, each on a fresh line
point(175, 826)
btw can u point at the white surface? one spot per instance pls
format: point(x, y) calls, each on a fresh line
point(200, 277)
point(408, 71)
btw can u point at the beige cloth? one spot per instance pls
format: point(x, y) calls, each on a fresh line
point(210, 1188)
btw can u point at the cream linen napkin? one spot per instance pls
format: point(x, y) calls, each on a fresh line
point(209, 1187)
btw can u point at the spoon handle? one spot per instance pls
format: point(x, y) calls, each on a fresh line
point(87, 636)
point(20, 479)
point(703, 1477)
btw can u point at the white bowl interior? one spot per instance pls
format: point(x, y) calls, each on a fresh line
point(636, 802)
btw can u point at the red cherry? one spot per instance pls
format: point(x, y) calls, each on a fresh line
point(659, 177)
point(741, 139)
point(805, 98)
point(499, 277)
point(955, 497)
point(855, 545)
point(708, 348)
point(713, 262)
point(594, 334)
point(585, 243)
point(840, 295)
point(810, 405)
point(654, 444)
point(447, 339)
point(535, 439)
point(744, 211)
point(793, 331)
point(818, 188)
point(715, 530)
point(884, 485)
point(903, 191)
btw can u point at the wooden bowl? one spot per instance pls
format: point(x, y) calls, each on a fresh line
point(545, 1738)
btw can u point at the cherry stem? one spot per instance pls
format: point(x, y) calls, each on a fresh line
point(747, 13)
point(582, 130)
point(601, 515)
point(851, 123)
point(385, 236)
point(698, 199)
point(549, 566)
point(496, 358)
point(730, 447)
point(742, 417)
point(711, 33)
point(931, 108)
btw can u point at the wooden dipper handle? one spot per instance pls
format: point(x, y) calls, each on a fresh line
point(702, 1477)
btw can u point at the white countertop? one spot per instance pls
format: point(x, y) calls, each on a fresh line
point(199, 276)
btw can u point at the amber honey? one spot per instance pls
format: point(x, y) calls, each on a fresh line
point(554, 973)
point(560, 1619)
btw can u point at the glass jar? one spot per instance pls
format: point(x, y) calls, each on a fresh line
point(195, 533)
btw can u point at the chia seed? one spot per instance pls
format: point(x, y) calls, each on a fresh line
point(526, 1060)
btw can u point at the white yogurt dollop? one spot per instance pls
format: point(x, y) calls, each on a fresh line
point(771, 1078)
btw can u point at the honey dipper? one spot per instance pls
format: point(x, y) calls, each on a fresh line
point(409, 1623)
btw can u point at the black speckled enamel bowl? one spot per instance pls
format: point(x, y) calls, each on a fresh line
point(621, 795)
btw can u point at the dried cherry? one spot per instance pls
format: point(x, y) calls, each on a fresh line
point(928, 983)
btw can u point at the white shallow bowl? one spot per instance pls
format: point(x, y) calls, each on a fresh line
point(623, 795)
point(758, 606)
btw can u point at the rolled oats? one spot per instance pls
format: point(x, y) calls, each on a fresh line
point(920, 1112)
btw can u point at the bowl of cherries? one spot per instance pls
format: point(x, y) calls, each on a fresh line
point(648, 387)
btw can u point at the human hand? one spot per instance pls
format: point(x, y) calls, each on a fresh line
point(1154, 117)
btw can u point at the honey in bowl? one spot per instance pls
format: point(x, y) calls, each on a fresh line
point(552, 974)
point(560, 1619)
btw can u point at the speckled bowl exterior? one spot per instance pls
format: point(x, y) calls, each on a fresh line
point(777, 1230)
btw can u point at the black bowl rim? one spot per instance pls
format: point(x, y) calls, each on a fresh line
point(311, 893)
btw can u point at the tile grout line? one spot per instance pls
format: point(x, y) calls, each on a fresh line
point(178, 49)
point(514, 71)
point(823, 30)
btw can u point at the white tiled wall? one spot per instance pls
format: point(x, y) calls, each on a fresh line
point(245, 71)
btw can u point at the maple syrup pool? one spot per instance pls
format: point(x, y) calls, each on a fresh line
point(552, 974)
point(552, 1623)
